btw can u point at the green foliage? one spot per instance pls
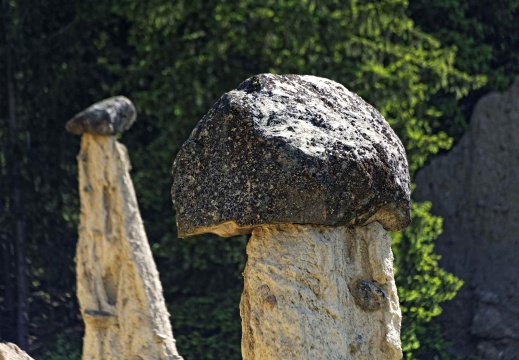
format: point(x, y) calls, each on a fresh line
point(64, 350)
point(174, 59)
point(422, 284)
point(51, 45)
point(484, 32)
point(204, 304)
point(208, 324)
point(371, 47)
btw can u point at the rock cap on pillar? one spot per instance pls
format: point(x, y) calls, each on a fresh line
point(107, 117)
point(290, 149)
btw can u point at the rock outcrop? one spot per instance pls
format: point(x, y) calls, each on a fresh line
point(9, 351)
point(295, 160)
point(475, 188)
point(118, 285)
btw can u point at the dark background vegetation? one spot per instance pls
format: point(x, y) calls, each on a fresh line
point(423, 65)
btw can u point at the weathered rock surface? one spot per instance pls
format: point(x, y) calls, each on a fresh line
point(290, 149)
point(475, 187)
point(9, 351)
point(298, 301)
point(107, 117)
point(118, 284)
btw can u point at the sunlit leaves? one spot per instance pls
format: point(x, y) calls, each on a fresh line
point(422, 284)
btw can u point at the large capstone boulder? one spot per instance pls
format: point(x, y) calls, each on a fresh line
point(298, 149)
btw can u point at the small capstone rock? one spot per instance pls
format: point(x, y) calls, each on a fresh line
point(108, 117)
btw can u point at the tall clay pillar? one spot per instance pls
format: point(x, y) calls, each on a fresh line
point(118, 284)
point(317, 176)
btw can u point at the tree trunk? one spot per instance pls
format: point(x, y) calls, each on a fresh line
point(17, 201)
point(7, 329)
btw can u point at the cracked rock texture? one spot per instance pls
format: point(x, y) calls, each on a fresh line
point(10, 351)
point(118, 284)
point(298, 301)
point(474, 188)
point(290, 149)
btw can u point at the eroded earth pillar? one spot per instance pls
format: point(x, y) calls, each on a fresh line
point(317, 176)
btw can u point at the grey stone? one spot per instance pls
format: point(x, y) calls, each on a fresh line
point(488, 351)
point(487, 297)
point(107, 117)
point(474, 188)
point(511, 351)
point(290, 149)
